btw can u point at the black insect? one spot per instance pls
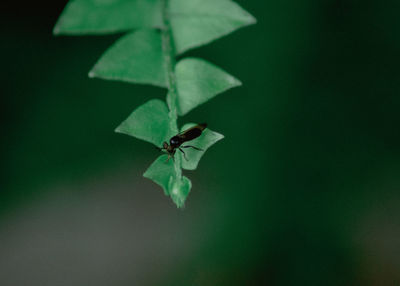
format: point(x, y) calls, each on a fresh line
point(177, 141)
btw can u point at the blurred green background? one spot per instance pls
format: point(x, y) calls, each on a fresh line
point(304, 189)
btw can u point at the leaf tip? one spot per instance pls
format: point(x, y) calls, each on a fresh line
point(56, 30)
point(122, 129)
point(91, 74)
point(118, 130)
point(236, 82)
point(252, 20)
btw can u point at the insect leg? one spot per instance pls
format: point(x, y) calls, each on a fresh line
point(184, 155)
point(169, 157)
point(190, 146)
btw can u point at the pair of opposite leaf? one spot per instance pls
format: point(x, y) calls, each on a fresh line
point(138, 57)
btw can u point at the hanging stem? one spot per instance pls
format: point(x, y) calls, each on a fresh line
point(169, 66)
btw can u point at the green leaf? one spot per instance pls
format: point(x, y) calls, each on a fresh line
point(205, 141)
point(149, 122)
point(198, 81)
point(108, 16)
point(136, 57)
point(198, 22)
point(160, 172)
point(163, 173)
point(179, 190)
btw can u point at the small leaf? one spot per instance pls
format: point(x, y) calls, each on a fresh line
point(136, 57)
point(198, 81)
point(163, 173)
point(179, 190)
point(149, 122)
point(108, 16)
point(205, 141)
point(198, 22)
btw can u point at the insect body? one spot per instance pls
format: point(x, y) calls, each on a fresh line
point(176, 141)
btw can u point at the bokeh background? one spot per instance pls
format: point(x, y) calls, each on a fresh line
point(304, 189)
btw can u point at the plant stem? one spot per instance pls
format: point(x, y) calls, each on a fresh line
point(169, 66)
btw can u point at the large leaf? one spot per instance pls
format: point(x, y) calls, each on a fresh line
point(199, 81)
point(198, 22)
point(149, 122)
point(108, 16)
point(136, 57)
point(205, 141)
point(163, 173)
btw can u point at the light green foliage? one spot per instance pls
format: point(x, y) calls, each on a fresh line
point(108, 16)
point(180, 190)
point(157, 31)
point(149, 122)
point(205, 141)
point(198, 81)
point(198, 22)
point(160, 172)
point(136, 57)
point(164, 174)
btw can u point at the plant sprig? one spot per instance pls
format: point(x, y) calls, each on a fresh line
point(156, 32)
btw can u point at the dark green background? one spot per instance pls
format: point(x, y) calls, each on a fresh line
point(304, 189)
